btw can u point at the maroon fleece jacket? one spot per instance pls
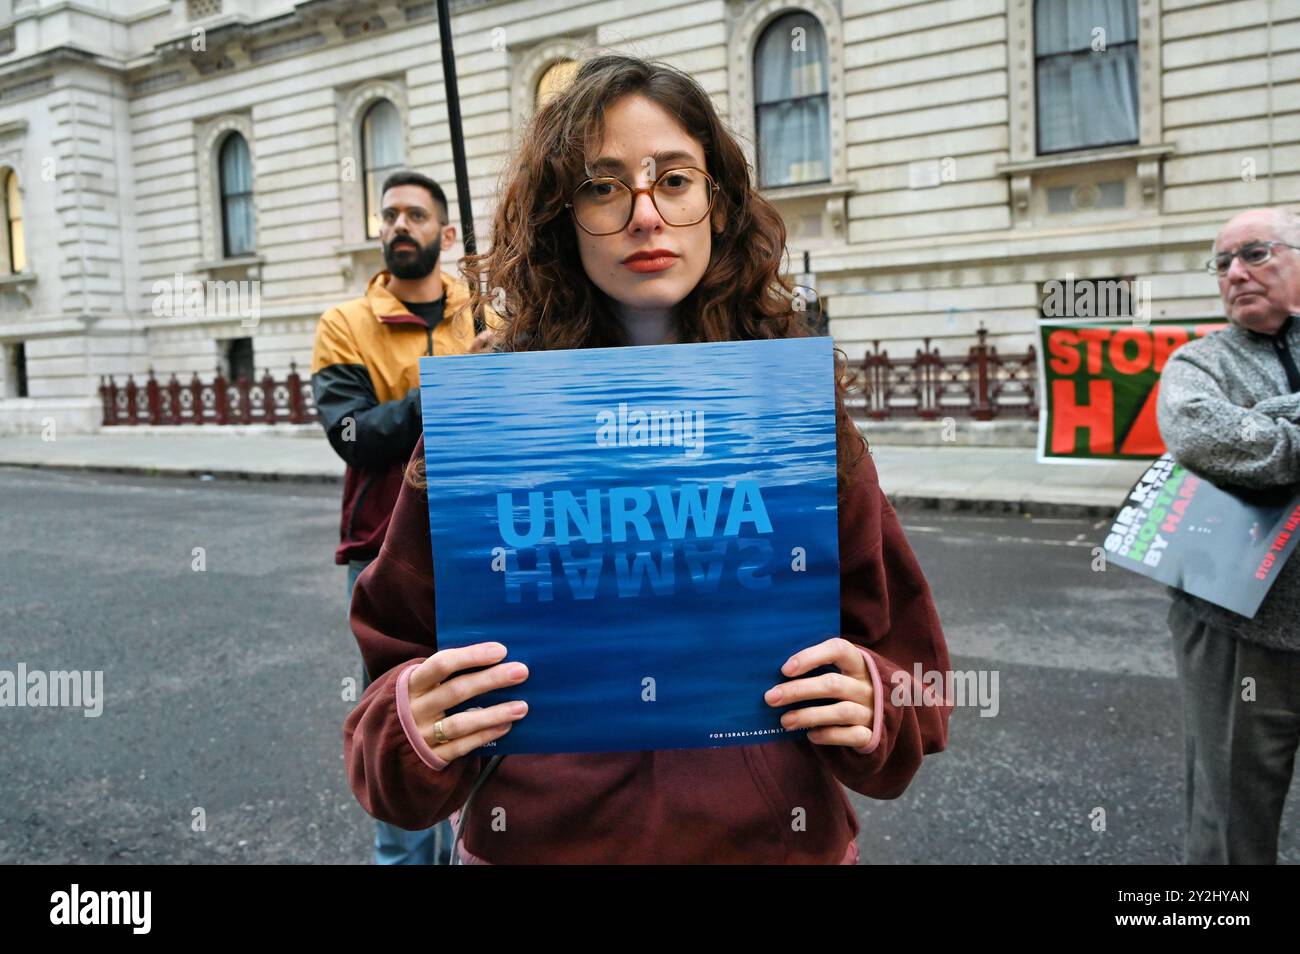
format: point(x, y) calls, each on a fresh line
point(778, 802)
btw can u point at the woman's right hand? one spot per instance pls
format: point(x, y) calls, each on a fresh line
point(435, 688)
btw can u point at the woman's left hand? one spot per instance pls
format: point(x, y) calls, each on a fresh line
point(847, 720)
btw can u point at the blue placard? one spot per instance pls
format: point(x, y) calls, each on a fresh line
point(651, 530)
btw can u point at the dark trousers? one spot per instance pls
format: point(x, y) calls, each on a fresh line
point(1240, 752)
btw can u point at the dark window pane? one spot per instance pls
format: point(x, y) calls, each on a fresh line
point(382, 153)
point(239, 359)
point(790, 59)
point(792, 141)
point(792, 113)
point(1067, 26)
point(20, 369)
point(236, 174)
point(1088, 99)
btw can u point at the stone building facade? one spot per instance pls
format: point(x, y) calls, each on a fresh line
point(930, 156)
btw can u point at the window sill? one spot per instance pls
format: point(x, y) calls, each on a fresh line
point(1086, 157)
point(1031, 178)
point(239, 261)
point(810, 190)
point(239, 268)
point(15, 290)
point(815, 213)
point(356, 262)
point(370, 245)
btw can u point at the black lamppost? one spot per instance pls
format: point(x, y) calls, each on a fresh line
point(808, 301)
point(457, 137)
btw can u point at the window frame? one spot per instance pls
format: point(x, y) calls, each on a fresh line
point(16, 378)
point(1023, 88)
point(224, 198)
point(1038, 59)
point(227, 356)
point(739, 103)
point(758, 107)
point(546, 71)
point(209, 134)
point(353, 104)
point(1028, 173)
point(12, 180)
point(527, 69)
point(370, 215)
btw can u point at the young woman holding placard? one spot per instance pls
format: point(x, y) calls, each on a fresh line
point(629, 217)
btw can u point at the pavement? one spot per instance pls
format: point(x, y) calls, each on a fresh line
point(991, 479)
point(233, 455)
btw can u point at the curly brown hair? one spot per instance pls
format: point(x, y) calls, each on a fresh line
point(550, 303)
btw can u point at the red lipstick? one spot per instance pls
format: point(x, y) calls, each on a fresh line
point(650, 260)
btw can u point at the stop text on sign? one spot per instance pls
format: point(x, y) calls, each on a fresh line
point(1102, 384)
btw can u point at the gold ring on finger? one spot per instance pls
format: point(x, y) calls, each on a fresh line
point(439, 734)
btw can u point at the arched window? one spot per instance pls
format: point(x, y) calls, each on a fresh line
point(235, 170)
point(792, 102)
point(1086, 59)
point(14, 222)
point(382, 153)
point(554, 79)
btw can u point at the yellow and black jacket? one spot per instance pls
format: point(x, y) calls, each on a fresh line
point(365, 379)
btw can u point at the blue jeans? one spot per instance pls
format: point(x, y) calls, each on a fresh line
point(393, 845)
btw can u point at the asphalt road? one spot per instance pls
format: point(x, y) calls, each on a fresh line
point(1089, 713)
point(223, 687)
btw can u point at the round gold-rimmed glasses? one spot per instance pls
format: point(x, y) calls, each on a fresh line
point(603, 205)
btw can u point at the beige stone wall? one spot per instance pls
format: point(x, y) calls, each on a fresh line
point(933, 79)
point(934, 221)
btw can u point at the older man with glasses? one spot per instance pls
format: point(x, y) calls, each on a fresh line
point(1229, 410)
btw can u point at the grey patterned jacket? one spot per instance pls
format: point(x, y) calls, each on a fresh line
point(1227, 413)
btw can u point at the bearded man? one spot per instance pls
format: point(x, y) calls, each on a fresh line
point(365, 379)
